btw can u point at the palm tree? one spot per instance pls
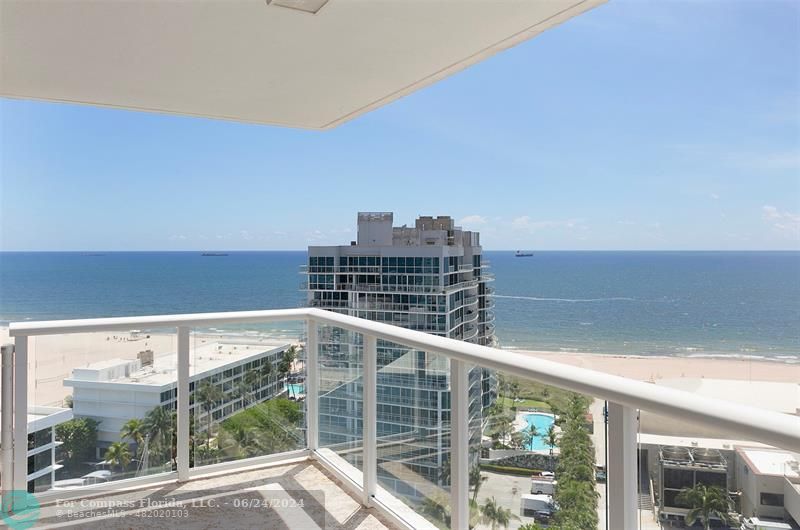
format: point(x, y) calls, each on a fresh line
point(529, 436)
point(552, 441)
point(134, 429)
point(158, 426)
point(285, 365)
point(705, 503)
point(495, 515)
point(208, 395)
point(476, 480)
point(242, 391)
point(118, 454)
point(264, 372)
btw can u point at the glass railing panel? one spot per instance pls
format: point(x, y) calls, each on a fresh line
point(731, 480)
point(543, 458)
point(413, 429)
point(99, 409)
point(246, 392)
point(341, 391)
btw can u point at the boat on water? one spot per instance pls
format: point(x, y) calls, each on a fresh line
point(523, 254)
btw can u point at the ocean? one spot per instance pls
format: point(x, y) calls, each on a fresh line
point(743, 304)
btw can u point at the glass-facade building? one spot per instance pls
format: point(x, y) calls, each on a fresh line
point(428, 278)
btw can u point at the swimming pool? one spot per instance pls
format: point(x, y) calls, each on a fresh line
point(295, 389)
point(542, 423)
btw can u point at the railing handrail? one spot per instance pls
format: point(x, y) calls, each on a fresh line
point(782, 430)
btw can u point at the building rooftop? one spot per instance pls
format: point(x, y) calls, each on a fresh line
point(771, 461)
point(203, 359)
point(43, 417)
point(692, 441)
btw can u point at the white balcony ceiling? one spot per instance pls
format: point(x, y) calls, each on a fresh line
point(251, 61)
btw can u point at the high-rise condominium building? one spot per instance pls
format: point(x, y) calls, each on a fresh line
point(430, 277)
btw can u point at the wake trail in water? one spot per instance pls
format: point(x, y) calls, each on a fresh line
point(569, 300)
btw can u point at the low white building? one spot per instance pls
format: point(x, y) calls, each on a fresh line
point(117, 390)
point(42, 444)
point(677, 455)
point(769, 481)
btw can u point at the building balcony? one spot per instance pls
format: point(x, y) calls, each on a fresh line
point(470, 299)
point(391, 288)
point(328, 467)
point(470, 316)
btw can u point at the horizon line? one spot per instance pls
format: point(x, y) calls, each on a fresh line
point(485, 250)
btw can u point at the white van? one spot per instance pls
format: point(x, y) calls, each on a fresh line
point(543, 485)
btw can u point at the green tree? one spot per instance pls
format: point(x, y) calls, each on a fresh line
point(575, 493)
point(500, 426)
point(208, 394)
point(531, 526)
point(552, 440)
point(265, 428)
point(285, 366)
point(159, 426)
point(135, 431)
point(118, 454)
point(494, 515)
point(264, 373)
point(529, 436)
point(476, 480)
point(705, 503)
point(79, 438)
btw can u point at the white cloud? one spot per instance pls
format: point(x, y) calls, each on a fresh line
point(180, 237)
point(785, 222)
point(316, 235)
point(525, 223)
point(714, 196)
point(473, 221)
point(246, 235)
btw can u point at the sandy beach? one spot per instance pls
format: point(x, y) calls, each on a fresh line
point(52, 358)
point(654, 368)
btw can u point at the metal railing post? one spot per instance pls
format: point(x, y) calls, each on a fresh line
point(312, 385)
point(20, 444)
point(459, 446)
point(622, 482)
point(183, 446)
point(7, 423)
point(370, 410)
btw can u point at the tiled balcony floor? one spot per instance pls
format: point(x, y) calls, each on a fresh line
point(300, 496)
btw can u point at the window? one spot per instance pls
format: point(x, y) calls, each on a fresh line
point(772, 499)
point(39, 438)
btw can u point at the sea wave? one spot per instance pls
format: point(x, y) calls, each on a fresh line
point(570, 300)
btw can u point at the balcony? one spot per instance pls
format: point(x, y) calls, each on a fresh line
point(364, 476)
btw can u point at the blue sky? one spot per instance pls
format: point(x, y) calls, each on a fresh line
point(640, 125)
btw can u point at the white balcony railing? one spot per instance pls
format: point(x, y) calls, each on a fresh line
point(625, 397)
